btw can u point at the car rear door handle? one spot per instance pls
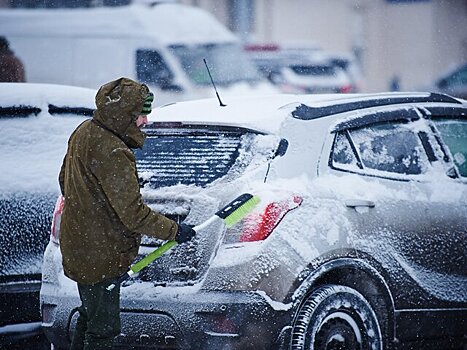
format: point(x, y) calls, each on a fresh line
point(355, 203)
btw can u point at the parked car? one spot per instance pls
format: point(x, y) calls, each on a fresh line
point(300, 71)
point(454, 82)
point(35, 123)
point(359, 241)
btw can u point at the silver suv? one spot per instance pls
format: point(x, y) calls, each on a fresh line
point(359, 241)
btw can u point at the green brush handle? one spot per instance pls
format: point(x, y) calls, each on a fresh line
point(152, 256)
point(143, 263)
point(230, 214)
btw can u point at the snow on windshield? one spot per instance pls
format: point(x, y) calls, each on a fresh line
point(227, 63)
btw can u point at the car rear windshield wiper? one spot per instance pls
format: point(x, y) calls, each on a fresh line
point(18, 111)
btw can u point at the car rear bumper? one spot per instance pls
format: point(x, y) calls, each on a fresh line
point(19, 308)
point(19, 299)
point(177, 319)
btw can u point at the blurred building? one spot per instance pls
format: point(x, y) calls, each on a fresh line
point(415, 40)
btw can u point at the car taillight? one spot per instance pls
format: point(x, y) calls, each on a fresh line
point(347, 89)
point(55, 229)
point(259, 225)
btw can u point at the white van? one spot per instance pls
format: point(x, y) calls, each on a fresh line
point(161, 45)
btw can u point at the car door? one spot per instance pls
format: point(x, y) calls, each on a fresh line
point(404, 208)
point(406, 212)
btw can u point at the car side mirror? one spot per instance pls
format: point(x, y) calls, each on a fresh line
point(281, 148)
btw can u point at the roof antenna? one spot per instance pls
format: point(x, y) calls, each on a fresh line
point(212, 81)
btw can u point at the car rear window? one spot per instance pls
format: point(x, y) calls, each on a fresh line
point(197, 157)
point(316, 70)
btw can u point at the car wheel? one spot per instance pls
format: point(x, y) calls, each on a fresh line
point(335, 317)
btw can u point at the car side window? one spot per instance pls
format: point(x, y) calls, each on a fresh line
point(152, 69)
point(454, 134)
point(343, 155)
point(390, 147)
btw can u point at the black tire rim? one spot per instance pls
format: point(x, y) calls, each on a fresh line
point(339, 331)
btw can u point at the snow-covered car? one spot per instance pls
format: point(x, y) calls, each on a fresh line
point(359, 240)
point(35, 123)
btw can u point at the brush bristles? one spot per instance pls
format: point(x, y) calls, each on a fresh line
point(242, 211)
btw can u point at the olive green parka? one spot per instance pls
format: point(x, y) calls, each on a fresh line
point(104, 215)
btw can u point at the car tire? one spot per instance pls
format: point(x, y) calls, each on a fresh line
point(336, 317)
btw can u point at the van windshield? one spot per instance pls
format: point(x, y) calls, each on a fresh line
point(227, 62)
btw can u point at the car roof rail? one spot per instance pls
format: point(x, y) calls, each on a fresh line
point(305, 112)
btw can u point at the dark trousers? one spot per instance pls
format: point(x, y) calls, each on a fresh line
point(99, 317)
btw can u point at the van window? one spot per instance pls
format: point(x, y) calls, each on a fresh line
point(152, 69)
point(228, 63)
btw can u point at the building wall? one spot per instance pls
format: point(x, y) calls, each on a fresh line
point(414, 40)
point(399, 44)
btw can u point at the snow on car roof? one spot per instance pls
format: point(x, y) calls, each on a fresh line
point(27, 94)
point(264, 113)
point(250, 112)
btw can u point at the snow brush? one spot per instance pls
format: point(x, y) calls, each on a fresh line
point(232, 213)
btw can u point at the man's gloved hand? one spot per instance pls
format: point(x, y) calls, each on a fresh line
point(184, 233)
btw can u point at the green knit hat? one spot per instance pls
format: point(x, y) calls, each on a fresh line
point(147, 104)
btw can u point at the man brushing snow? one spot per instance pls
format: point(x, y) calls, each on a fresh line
point(104, 215)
